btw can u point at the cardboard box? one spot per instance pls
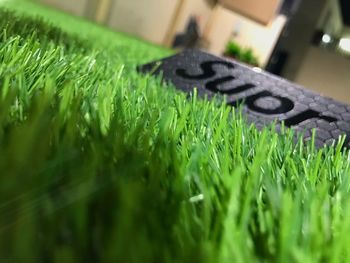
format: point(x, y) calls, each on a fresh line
point(262, 11)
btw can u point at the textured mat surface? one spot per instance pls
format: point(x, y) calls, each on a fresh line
point(266, 98)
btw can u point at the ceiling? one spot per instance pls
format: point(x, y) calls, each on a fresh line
point(345, 6)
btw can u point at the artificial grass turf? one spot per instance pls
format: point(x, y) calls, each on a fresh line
point(99, 163)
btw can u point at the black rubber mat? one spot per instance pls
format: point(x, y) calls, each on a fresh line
point(265, 97)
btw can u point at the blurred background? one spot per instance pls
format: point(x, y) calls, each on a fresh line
point(305, 41)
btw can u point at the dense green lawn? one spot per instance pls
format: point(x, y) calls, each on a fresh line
point(101, 164)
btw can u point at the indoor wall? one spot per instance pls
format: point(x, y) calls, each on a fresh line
point(326, 72)
point(227, 25)
point(76, 7)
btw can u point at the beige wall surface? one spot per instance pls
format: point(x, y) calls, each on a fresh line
point(76, 7)
point(220, 29)
point(226, 25)
point(102, 10)
point(187, 9)
point(331, 21)
point(197, 8)
point(346, 31)
point(149, 19)
point(327, 73)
